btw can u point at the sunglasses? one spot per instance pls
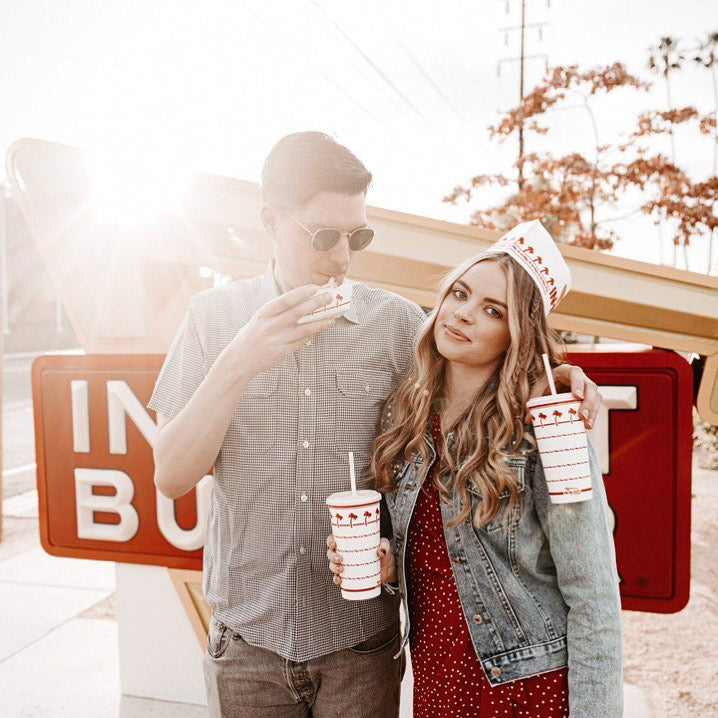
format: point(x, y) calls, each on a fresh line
point(325, 238)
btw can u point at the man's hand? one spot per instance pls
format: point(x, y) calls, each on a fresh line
point(273, 333)
point(386, 560)
point(571, 378)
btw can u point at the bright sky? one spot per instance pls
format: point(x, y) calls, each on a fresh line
point(409, 85)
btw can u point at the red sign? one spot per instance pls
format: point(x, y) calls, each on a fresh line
point(97, 498)
point(644, 438)
point(96, 494)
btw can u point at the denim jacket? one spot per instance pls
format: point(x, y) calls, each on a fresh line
point(538, 593)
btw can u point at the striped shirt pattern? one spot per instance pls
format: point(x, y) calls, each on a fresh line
point(266, 574)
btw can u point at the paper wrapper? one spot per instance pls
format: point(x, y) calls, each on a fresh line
point(338, 305)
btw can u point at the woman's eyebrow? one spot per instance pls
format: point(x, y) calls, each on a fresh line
point(495, 301)
point(466, 287)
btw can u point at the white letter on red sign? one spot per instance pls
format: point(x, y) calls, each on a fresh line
point(614, 398)
point(87, 503)
point(121, 401)
point(80, 417)
point(185, 539)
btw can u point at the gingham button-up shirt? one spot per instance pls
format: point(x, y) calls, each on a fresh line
point(266, 573)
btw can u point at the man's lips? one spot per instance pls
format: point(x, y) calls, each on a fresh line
point(456, 334)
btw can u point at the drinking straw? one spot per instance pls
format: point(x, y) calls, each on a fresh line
point(549, 375)
point(352, 476)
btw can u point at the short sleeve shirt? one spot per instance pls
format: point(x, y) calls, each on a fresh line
point(266, 573)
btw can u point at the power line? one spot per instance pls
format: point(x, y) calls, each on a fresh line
point(370, 62)
point(321, 72)
point(426, 76)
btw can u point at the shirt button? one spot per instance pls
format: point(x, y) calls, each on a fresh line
point(304, 497)
point(305, 444)
point(477, 619)
point(308, 343)
point(495, 672)
point(368, 388)
point(307, 392)
point(302, 550)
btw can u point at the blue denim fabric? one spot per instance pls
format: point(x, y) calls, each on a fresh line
point(538, 593)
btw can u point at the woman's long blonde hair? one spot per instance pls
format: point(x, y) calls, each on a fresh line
point(491, 428)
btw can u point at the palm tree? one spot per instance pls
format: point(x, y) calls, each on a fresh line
point(664, 57)
point(707, 56)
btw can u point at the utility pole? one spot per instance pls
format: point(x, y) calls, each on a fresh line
point(521, 59)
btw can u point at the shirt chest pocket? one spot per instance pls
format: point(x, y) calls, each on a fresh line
point(360, 396)
point(255, 419)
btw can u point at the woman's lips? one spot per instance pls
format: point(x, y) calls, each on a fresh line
point(455, 334)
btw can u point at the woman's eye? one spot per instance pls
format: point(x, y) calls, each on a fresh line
point(494, 312)
point(459, 293)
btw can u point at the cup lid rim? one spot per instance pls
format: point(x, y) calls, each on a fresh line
point(347, 498)
point(562, 398)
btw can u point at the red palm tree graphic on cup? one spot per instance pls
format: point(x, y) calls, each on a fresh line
point(339, 518)
point(556, 414)
point(571, 414)
point(352, 518)
point(541, 418)
point(367, 516)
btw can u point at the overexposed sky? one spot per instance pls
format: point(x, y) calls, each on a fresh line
point(409, 85)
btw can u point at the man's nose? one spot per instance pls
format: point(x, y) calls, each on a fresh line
point(341, 252)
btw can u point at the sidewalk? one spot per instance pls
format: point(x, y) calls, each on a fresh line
point(58, 632)
point(58, 635)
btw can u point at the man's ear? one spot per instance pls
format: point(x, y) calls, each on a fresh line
point(269, 219)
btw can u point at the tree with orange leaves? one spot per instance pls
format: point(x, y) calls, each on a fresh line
point(565, 192)
point(562, 191)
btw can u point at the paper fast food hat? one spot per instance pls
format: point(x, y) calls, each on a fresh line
point(534, 249)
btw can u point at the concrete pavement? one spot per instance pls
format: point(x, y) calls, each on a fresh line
point(58, 635)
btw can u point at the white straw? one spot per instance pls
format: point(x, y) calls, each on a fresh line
point(549, 374)
point(352, 476)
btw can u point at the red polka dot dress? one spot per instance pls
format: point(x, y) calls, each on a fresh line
point(448, 678)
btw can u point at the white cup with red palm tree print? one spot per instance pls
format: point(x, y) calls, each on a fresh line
point(561, 438)
point(355, 527)
point(340, 298)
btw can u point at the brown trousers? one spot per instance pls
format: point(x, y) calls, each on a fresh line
point(244, 681)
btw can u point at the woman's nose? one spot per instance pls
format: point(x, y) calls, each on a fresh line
point(463, 315)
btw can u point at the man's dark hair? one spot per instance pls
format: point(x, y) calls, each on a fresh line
point(303, 164)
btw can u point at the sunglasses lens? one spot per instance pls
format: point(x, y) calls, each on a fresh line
point(361, 238)
point(325, 239)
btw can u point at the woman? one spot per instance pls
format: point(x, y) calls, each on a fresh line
point(512, 601)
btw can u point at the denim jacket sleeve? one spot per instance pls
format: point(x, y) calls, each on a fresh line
point(583, 552)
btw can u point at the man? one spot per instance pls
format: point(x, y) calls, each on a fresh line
point(275, 406)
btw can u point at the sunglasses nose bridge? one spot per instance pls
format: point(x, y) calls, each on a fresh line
point(341, 249)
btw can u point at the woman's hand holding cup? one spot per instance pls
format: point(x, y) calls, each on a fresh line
point(386, 560)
